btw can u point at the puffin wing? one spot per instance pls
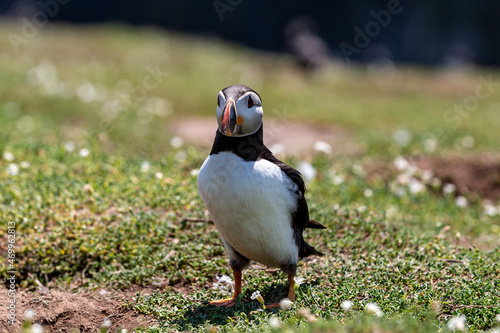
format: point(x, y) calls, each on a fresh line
point(300, 216)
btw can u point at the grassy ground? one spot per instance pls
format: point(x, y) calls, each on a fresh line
point(98, 188)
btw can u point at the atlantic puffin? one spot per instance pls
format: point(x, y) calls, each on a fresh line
point(256, 201)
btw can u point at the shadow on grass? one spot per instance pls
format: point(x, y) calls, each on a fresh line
point(206, 314)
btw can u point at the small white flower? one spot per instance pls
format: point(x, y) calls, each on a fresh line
point(24, 164)
point(159, 175)
point(427, 175)
point(194, 172)
point(274, 322)
point(221, 281)
point(87, 188)
point(123, 330)
point(415, 186)
point(37, 328)
point(402, 137)
point(323, 147)
point(29, 314)
point(361, 209)
point(106, 323)
point(346, 305)
point(84, 152)
point(338, 179)
point(176, 142)
point(457, 323)
point(307, 170)
point(145, 166)
point(468, 141)
point(298, 280)
point(285, 304)
point(449, 188)
point(13, 169)
point(374, 309)
point(256, 296)
point(8, 156)
point(368, 192)
point(401, 163)
point(102, 292)
point(461, 201)
point(430, 145)
point(491, 210)
point(69, 146)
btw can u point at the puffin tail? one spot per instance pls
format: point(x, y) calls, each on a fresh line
point(307, 250)
point(315, 225)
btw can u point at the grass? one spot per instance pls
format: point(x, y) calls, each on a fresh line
point(111, 219)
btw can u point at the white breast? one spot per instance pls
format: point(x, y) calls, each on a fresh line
point(251, 205)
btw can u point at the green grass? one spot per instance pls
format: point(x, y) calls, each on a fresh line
point(104, 220)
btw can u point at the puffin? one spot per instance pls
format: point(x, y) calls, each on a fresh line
point(256, 201)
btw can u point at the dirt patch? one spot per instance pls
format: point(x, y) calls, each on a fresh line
point(290, 137)
point(478, 174)
point(83, 312)
point(472, 175)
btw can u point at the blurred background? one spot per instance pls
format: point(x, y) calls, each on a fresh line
point(443, 32)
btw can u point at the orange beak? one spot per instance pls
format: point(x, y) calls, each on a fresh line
point(228, 117)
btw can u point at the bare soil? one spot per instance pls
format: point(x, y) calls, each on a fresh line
point(60, 311)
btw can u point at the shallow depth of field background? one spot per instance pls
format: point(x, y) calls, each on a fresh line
point(107, 112)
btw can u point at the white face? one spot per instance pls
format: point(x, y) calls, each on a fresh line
point(241, 117)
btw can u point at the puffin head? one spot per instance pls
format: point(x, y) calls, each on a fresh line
point(239, 111)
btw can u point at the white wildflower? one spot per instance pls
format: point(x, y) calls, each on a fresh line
point(403, 179)
point(106, 323)
point(307, 170)
point(176, 142)
point(274, 322)
point(102, 292)
point(29, 314)
point(401, 163)
point(368, 192)
point(69, 146)
point(159, 175)
point(13, 169)
point(221, 281)
point(257, 296)
point(374, 309)
point(430, 145)
point(457, 323)
point(8, 156)
point(338, 179)
point(323, 147)
point(298, 280)
point(24, 164)
point(427, 175)
point(285, 304)
point(449, 188)
point(194, 172)
point(84, 152)
point(491, 210)
point(37, 328)
point(461, 201)
point(346, 305)
point(415, 186)
point(361, 209)
point(402, 137)
point(145, 166)
point(468, 142)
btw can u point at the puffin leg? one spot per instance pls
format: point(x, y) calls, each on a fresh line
point(291, 292)
point(237, 290)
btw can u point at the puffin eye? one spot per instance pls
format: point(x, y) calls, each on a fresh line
point(218, 101)
point(250, 101)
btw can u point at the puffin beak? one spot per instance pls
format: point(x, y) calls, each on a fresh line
point(228, 117)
